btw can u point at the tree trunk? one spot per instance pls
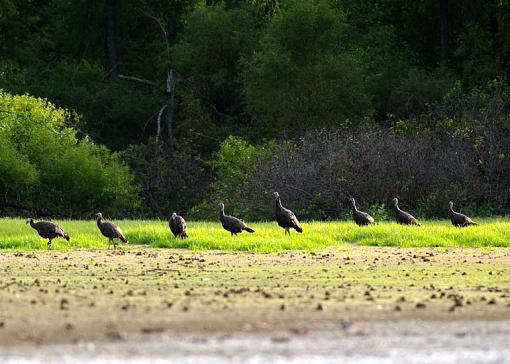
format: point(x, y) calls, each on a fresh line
point(111, 38)
point(494, 28)
point(171, 29)
point(443, 16)
point(169, 91)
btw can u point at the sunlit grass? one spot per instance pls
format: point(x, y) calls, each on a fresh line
point(269, 237)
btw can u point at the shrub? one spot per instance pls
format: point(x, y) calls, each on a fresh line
point(17, 176)
point(373, 165)
point(50, 171)
point(419, 90)
point(233, 165)
point(168, 182)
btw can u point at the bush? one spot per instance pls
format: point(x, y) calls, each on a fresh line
point(373, 165)
point(419, 90)
point(168, 182)
point(233, 165)
point(50, 171)
point(17, 175)
point(434, 204)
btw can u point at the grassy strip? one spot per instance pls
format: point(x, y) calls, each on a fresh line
point(494, 232)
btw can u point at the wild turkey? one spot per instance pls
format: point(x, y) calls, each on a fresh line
point(233, 224)
point(284, 217)
point(459, 219)
point(361, 218)
point(48, 230)
point(178, 226)
point(110, 230)
point(403, 217)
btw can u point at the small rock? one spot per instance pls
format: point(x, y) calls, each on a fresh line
point(346, 325)
point(280, 339)
point(114, 335)
point(64, 303)
point(298, 331)
point(152, 330)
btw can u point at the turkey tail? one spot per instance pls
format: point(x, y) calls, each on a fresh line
point(298, 228)
point(248, 229)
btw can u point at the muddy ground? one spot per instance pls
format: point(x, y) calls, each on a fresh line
point(281, 302)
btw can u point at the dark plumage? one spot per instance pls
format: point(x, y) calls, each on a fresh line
point(284, 217)
point(48, 230)
point(178, 226)
point(459, 219)
point(233, 224)
point(110, 230)
point(361, 218)
point(403, 217)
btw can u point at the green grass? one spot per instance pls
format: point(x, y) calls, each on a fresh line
point(269, 237)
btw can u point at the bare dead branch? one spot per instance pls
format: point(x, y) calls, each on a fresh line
point(158, 122)
point(163, 30)
point(137, 79)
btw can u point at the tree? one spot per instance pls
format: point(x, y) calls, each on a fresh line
point(443, 14)
point(215, 41)
point(305, 75)
point(111, 38)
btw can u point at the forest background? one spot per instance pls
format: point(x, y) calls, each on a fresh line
point(139, 108)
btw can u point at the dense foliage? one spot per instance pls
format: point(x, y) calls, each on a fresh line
point(44, 167)
point(222, 100)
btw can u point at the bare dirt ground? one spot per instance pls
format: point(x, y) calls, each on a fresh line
point(359, 304)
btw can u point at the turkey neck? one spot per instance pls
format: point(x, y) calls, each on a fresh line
point(99, 222)
point(354, 208)
point(279, 202)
